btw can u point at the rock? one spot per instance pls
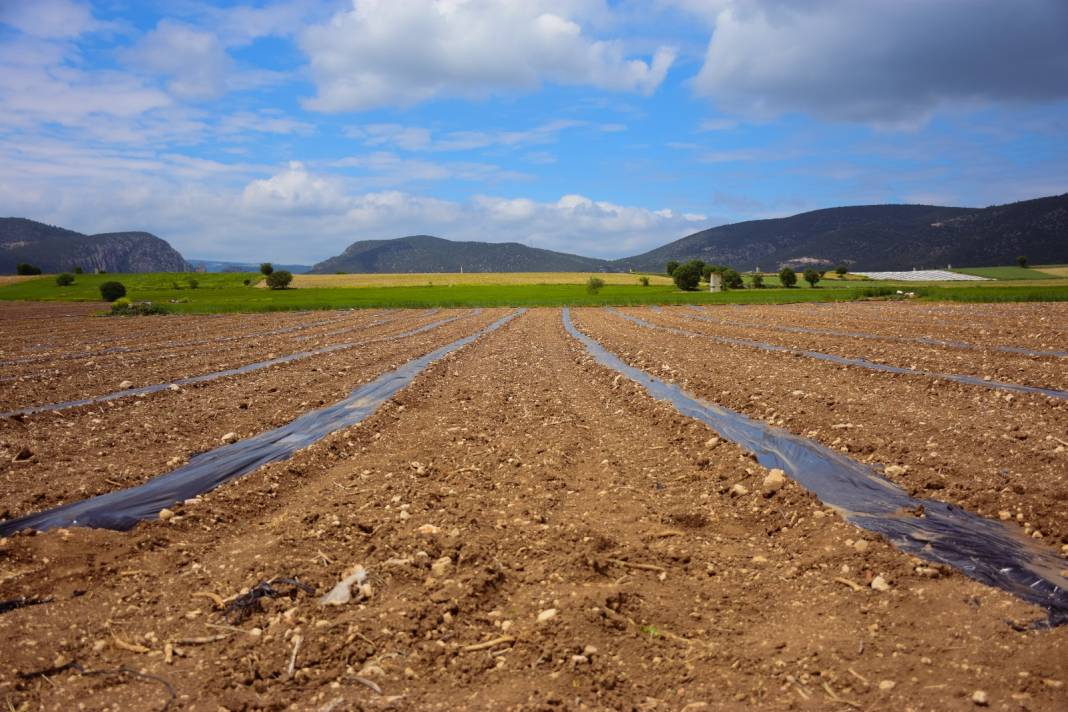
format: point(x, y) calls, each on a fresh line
point(22, 455)
point(895, 470)
point(230, 438)
point(880, 584)
point(887, 685)
point(441, 567)
point(712, 442)
point(980, 698)
point(173, 388)
point(773, 482)
point(589, 651)
point(166, 514)
point(341, 593)
point(739, 490)
point(428, 530)
point(1004, 515)
point(860, 545)
point(547, 615)
point(125, 385)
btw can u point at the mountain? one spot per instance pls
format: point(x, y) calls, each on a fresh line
point(55, 249)
point(883, 237)
point(223, 266)
point(424, 253)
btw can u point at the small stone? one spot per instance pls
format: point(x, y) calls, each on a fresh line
point(547, 615)
point(712, 442)
point(579, 659)
point(895, 470)
point(739, 490)
point(774, 482)
point(589, 651)
point(428, 530)
point(173, 388)
point(441, 567)
point(886, 685)
point(230, 438)
point(980, 698)
point(166, 514)
point(125, 385)
point(879, 584)
point(1004, 515)
point(860, 545)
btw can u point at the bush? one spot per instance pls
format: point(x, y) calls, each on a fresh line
point(671, 267)
point(65, 280)
point(279, 279)
point(788, 277)
point(266, 269)
point(124, 307)
point(732, 280)
point(644, 281)
point(757, 280)
point(247, 282)
point(26, 269)
point(175, 285)
point(812, 276)
point(594, 284)
point(111, 291)
point(841, 270)
point(193, 282)
point(78, 270)
point(687, 277)
point(1022, 261)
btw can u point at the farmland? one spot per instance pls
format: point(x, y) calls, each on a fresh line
point(537, 526)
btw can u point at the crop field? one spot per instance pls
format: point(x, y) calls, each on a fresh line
point(855, 505)
point(449, 279)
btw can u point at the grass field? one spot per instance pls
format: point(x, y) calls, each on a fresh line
point(1055, 270)
point(1006, 273)
point(452, 279)
point(227, 292)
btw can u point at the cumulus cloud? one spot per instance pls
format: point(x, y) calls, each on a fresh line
point(889, 63)
point(48, 19)
point(387, 53)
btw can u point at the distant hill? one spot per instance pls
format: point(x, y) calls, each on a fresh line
point(222, 266)
point(884, 237)
point(424, 253)
point(55, 249)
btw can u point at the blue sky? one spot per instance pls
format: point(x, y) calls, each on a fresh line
point(287, 130)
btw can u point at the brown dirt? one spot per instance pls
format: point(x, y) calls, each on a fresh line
point(549, 484)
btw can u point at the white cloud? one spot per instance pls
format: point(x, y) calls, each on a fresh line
point(49, 19)
point(388, 53)
point(417, 138)
point(886, 63)
point(389, 169)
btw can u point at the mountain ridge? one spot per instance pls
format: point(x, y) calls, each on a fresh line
point(57, 249)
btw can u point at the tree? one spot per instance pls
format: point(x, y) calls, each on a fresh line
point(26, 269)
point(594, 284)
point(788, 277)
point(841, 270)
point(1022, 261)
point(671, 267)
point(732, 280)
point(193, 282)
point(812, 276)
point(757, 281)
point(687, 277)
point(644, 280)
point(700, 264)
point(78, 270)
point(266, 269)
point(65, 280)
point(111, 291)
point(279, 279)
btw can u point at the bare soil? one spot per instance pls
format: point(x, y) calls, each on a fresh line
point(538, 533)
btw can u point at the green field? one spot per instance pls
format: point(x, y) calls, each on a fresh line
point(228, 293)
point(1006, 273)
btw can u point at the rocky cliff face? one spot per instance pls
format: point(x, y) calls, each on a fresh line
point(55, 249)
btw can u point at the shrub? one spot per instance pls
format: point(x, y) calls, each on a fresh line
point(788, 277)
point(757, 280)
point(65, 280)
point(1022, 260)
point(123, 307)
point(812, 276)
point(193, 282)
point(266, 269)
point(247, 282)
point(841, 270)
point(594, 284)
point(111, 291)
point(687, 277)
point(27, 269)
point(671, 267)
point(175, 285)
point(279, 279)
point(78, 270)
point(120, 303)
point(644, 281)
point(732, 280)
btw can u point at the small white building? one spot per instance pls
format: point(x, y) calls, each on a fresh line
point(715, 282)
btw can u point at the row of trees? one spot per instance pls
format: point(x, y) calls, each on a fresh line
point(688, 275)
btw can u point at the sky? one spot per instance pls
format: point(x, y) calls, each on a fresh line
point(284, 131)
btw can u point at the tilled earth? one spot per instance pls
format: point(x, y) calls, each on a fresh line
point(537, 533)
